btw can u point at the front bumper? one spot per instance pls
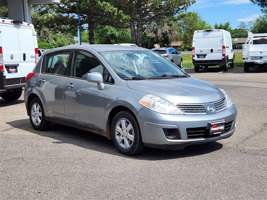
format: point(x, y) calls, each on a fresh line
point(153, 128)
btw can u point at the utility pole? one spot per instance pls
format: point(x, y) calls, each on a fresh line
point(79, 22)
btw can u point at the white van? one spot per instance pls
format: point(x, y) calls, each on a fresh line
point(18, 56)
point(211, 48)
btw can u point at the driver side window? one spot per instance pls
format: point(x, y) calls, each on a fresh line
point(85, 63)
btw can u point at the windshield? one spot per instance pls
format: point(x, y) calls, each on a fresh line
point(136, 64)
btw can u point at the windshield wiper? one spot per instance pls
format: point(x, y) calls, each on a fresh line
point(169, 76)
point(135, 78)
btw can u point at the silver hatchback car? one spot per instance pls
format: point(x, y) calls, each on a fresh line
point(130, 95)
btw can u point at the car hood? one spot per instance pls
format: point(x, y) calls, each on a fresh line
point(178, 90)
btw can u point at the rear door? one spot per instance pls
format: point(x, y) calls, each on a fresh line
point(52, 82)
point(27, 45)
point(11, 50)
point(208, 45)
point(18, 46)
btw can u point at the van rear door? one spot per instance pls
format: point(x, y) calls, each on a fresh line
point(27, 46)
point(10, 49)
point(208, 45)
point(18, 47)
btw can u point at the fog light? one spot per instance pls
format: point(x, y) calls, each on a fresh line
point(172, 133)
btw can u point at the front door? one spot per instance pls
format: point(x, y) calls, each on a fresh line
point(84, 103)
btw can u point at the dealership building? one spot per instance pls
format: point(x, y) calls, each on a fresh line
point(21, 9)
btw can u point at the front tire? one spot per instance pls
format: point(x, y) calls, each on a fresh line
point(37, 115)
point(126, 134)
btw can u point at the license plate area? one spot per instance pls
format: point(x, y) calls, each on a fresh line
point(11, 69)
point(201, 55)
point(216, 128)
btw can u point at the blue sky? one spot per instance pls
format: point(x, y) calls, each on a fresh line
point(222, 11)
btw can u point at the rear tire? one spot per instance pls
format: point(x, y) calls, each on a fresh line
point(126, 134)
point(232, 65)
point(196, 67)
point(246, 67)
point(181, 64)
point(11, 96)
point(37, 115)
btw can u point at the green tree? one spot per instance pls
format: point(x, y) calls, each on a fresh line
point(93, 13)
point(191, 22)
point(240, 32)
point(225, 26)
point(47, 16)
point(144, 12)
point(260, 25)
point(261, 3)
point(53, 29)
point(3, 12)
point(163, 32)
point(111, 35)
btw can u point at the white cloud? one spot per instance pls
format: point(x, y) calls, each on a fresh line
point(249, 18)
point(236, 2)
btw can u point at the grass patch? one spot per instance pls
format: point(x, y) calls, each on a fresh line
point(187, 60)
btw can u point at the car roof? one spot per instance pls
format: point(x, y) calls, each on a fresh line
point(162, 48)
point(97, 48)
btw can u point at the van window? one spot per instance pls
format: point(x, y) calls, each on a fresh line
point(260, 41)
point(56, 64)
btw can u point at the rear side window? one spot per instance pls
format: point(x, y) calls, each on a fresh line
point(260, 41)
point(56, 63)
point(161, 51)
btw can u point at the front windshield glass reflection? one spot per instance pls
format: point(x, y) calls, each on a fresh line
point(134, 64)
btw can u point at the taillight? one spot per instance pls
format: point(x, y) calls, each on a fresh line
point(36, 55)
point(1, 60)
point(223, 51)
point(193, 52)
point(167, 56)
point(29, 76)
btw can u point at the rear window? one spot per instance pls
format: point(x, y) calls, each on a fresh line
point(161, 51)
point(260, 41)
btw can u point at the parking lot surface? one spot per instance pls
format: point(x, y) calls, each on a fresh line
point(66, 163)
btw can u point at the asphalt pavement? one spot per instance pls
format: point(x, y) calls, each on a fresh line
point(66, 163)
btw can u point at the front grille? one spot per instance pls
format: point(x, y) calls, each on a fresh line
point(200, 108)
point(192, 108)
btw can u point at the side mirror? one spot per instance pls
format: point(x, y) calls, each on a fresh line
point(96, 77)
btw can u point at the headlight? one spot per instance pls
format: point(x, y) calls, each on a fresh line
point(228, 100)
point(159, 105)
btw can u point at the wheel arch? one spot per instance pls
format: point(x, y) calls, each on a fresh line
point(29, 99)
point(111, 116)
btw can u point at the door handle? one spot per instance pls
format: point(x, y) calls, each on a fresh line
point(70, 85)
